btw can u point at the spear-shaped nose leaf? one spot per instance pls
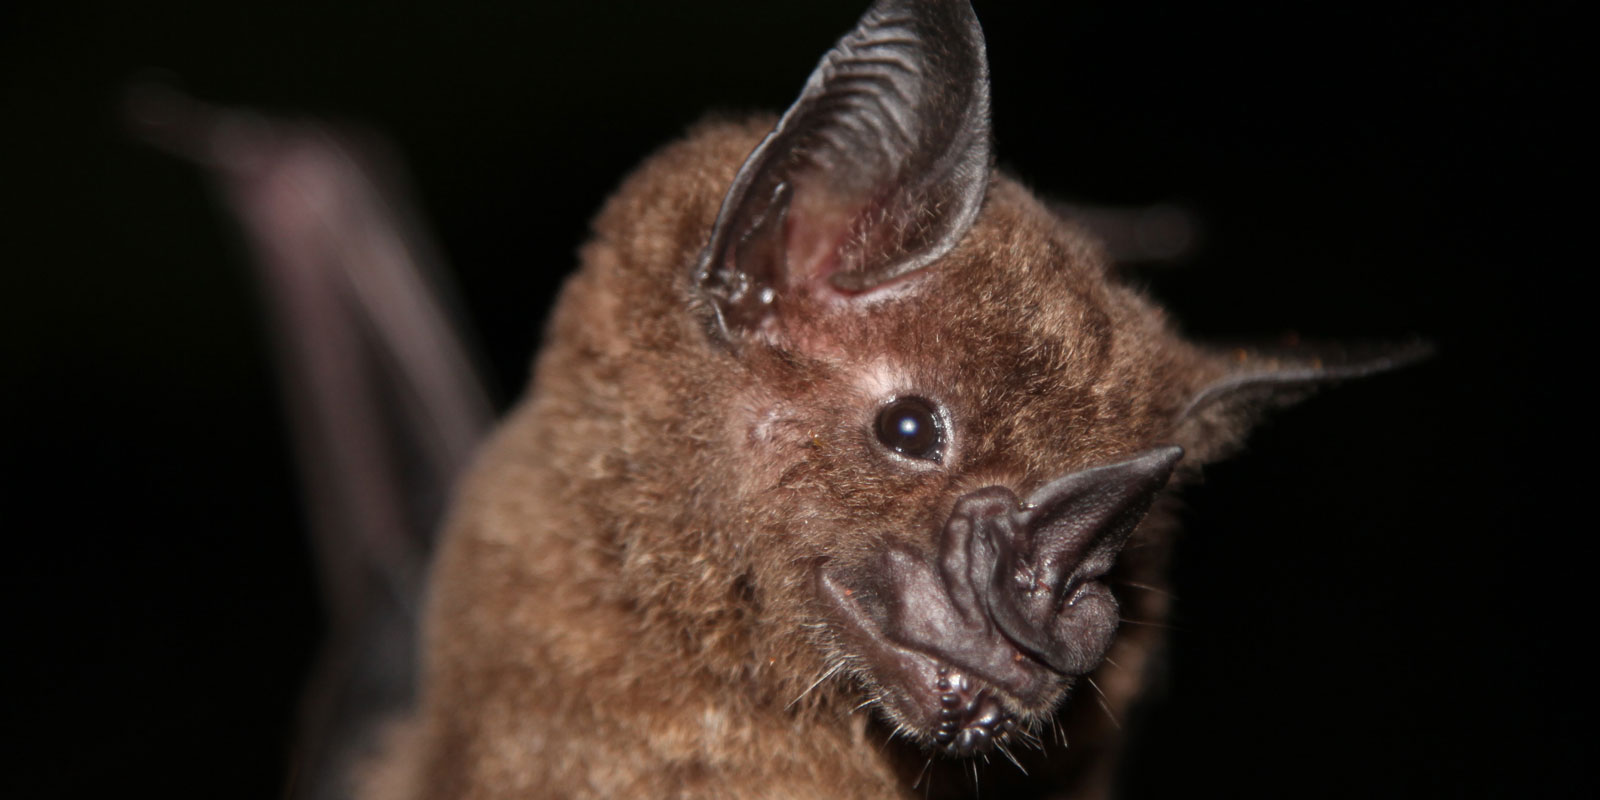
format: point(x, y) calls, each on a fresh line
point(1042, 593)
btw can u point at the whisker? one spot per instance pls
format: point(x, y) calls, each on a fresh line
point(1104, 702)
point(1059, 731)
point(814, 684)
point(1147, 587)
point(1024, 736)
point(1007, 753)
point(1160, 625)
point(923, 773)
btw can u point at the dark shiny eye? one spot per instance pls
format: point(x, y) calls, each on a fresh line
point(910, 426)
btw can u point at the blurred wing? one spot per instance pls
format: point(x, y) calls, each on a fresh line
point(385, 397)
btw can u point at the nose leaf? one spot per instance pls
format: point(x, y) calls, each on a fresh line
point(1040, 592)
point(968, 549)
point(1011, 594)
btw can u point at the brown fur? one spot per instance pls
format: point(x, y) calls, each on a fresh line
point(625, 603)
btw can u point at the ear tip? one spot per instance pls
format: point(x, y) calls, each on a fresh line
point(1160, 461)
point(1363, 359)
point(1313, 361)
point(1412, 352)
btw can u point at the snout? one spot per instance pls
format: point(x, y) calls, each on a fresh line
point(1011, 601)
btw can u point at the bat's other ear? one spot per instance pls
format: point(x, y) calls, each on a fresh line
point(875, 172)
point(1255, 380)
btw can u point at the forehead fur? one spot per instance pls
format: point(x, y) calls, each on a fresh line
point(1018, 329)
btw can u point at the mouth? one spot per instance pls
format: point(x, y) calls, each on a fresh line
point(966, 648)
point(972, 720)
point(957, 701)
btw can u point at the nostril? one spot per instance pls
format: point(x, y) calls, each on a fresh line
point(1027, 580)
point(1078, 590)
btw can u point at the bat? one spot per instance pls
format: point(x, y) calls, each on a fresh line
point(846, 463)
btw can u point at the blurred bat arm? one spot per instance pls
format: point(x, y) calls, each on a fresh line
point(385, 397)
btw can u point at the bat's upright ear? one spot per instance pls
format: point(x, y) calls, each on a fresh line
point(875, 172)
point(1245, 383)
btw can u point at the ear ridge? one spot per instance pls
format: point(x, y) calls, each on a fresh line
point(876, 171)
point(1259, 380)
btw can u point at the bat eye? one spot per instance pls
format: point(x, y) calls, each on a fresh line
point(910, 426)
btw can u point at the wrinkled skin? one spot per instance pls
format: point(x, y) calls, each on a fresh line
point(1012, 606)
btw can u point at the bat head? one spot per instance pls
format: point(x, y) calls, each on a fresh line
point(902, 417)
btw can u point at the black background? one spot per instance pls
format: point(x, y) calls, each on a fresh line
point(1383, 596)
